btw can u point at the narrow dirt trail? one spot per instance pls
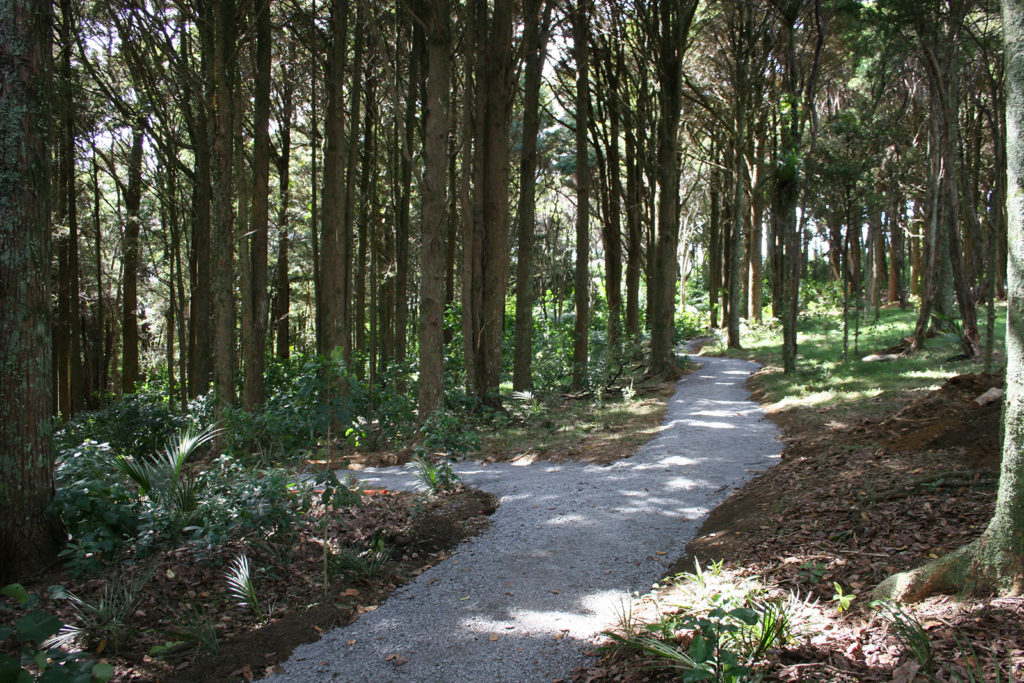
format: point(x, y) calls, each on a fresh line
point(566, 547)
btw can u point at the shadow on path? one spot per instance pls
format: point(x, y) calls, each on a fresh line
point(567, 546)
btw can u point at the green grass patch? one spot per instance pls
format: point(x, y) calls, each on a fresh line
point(853, 388)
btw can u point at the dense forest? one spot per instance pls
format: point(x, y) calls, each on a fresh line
point(433, 195)
point(345, 224)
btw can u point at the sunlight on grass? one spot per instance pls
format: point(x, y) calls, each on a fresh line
point(824, 379)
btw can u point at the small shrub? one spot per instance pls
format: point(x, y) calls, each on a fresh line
point(38, 657)
point(436, 477)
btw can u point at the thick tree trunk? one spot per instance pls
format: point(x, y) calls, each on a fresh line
point(486, 254)
point(335, 260)
point(225, 69)
point(673, 20)
point(432, 230)
point(256, 336)
point(29, 537)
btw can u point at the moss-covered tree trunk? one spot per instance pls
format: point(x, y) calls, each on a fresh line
point(995, 561)
point(28, 537)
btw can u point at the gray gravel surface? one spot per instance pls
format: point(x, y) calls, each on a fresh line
point(566, 548)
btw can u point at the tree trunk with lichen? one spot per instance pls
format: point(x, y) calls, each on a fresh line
point(995, 561)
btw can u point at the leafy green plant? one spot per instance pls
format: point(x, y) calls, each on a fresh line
point(99, 510)
point(164, 478)
point(38, 657)
point(196, 627)
point(436, 477)
point(812, 571)
point(108, 618)
point(446, 433)
point(724, 643)
point(363, 562)
point(241, 588)
point(841, 599)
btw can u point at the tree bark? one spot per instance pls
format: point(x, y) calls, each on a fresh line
point(130, 265)
point(486, 254)
point(225, 70)
point(430, 397)
point(335, 260)
point(253, 387)
point(535, 36)
point(670, 22)
point(29, 537)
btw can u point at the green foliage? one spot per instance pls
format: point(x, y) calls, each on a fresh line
point(136, 425)
point(365, 562)
point(690, 324)
point(196, 627)
point(38, 658)
point(108, 618)
point(841, 599)
point(241, 588)
point(109, 502)
point(448, 434)
point(718, 633)
point(98, 508)
point(173, 490)
point(436, 476)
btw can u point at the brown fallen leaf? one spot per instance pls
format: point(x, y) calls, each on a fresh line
point(396, 659)
point(350, 593)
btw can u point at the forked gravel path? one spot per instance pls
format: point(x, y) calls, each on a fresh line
point(567, 546)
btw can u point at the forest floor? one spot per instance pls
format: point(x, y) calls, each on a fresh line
point(865, 488)
point(863, 491)
point(185, 627)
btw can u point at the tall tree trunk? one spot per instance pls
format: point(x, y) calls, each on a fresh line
point(673, 20)
point(282, 288)
point(201, 259)
point(402, 224)
point(486, 254)
point(253, 388)
point(535, 36)
point(581, 280)
point(432, 232)
point(225, 70)
point(335, 261)
point(634, 235)
point(714, 239)
point(130, 265)
point(29, 536)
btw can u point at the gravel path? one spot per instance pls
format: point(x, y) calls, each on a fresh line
point(566, 547)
